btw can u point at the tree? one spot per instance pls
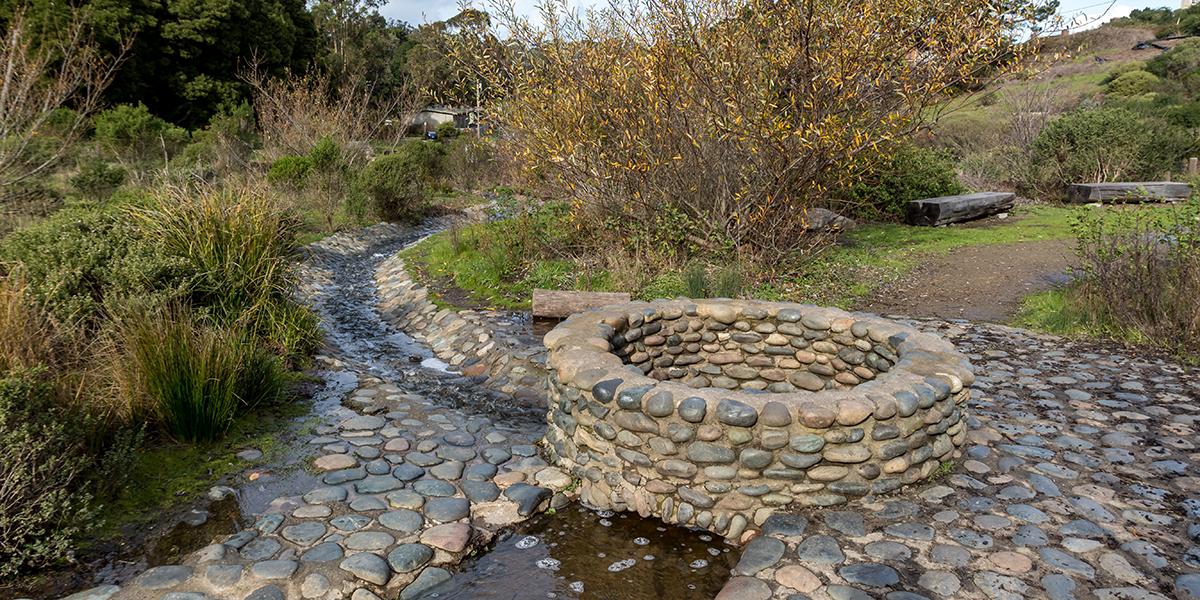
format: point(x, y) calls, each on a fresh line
point(728, 118)
point(356, 38)
point(186, 54)
point(49, 89)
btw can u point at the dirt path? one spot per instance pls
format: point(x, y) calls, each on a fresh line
point(980, 283)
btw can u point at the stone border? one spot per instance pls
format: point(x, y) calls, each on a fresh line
point(464, 339)
point(725, 460)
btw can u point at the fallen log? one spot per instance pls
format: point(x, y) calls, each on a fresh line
point(559, 304)
point(954, 209)
point(1143, 191)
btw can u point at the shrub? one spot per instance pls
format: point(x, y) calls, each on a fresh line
point(469, 163)
point(42, 508)
point(1140, 273)
point(1095, 145)
point(647, 121)
point(132, 133)
point(447, 131)
point(81, 260)
point(227, 143)
point(1180, 64)
point(399, 185)
point(911, 173)
point(1133, 83)
point(290, 171)
point(194, 379)
point(97, 180)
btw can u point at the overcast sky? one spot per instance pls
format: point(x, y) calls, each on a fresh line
point(1080, 13)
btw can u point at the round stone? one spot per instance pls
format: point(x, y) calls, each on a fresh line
point(406, 558)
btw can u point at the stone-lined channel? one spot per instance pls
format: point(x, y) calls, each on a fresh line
point(412, 468)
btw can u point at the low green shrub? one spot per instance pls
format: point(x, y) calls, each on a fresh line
point(911, 173)
point(97, 179)
point(447, 131)
point(43, 507)
point(399, 186)
point(290, 171)
point(195, 378)
point(1133, 83)
point(226, 143)
point(80, 261)
point(132, 133)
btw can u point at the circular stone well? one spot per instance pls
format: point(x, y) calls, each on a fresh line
point(716, 413)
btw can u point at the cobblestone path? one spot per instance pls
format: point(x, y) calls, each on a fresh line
point(1079, 480)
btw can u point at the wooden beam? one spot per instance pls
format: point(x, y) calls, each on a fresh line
point(1143, 191)
point(558, 304)
point(953, 209)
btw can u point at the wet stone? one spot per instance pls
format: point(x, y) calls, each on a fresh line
point(325, 552)
point(303, 534)
point(367, 567)
point(820, 549)
point(262, 548)
point(527, 497)
point(849, 523)
point(869, 574)
point(785, 524)
point(159, 578)
point(445, 510)
point(406, 558)
point(760, 553)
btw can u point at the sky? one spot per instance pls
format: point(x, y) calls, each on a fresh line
point(1080, 14)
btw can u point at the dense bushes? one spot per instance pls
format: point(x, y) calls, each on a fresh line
point(1180, 64)
point(1140, 273)
point(909, 174)
point(42, 462)
point(83, 261)
point(1112, 143)
point(131, 133)
point(398, 185)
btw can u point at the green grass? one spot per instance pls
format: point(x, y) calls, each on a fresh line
point(867, 257)
point(875, 254)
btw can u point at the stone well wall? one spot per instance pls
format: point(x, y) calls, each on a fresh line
point(715, 413)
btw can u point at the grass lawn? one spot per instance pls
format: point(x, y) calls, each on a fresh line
point(482, 273)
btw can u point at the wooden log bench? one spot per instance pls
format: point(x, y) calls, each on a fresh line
point(1143, 191)
point(954, 209)
point(557, 304)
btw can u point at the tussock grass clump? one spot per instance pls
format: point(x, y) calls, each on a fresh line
point(193, 379)
point(239, 243)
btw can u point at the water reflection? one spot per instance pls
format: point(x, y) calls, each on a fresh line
point(579, 553)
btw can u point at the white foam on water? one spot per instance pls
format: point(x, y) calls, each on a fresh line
point(699, 564)
point(621, 565)
point(527, 542)
point(641, 541)
point(549, 564)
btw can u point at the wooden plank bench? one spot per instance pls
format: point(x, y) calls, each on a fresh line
point(557, 304)
point(1143, 191)
point(953, 209)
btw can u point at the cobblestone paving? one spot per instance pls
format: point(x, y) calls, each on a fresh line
point(417, 469)
point(1078, 480)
